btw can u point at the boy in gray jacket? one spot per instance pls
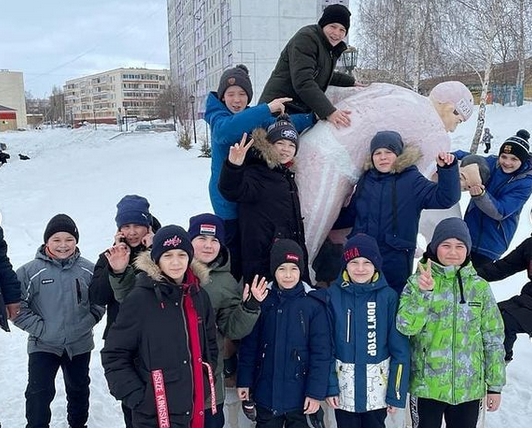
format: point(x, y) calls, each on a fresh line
point(57, 314)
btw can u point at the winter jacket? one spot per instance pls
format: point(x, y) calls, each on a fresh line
point(56, 309)
point(288, 354)
point(268, 205)
point(227, 129)
point(233, 319)
point(9, 284)
point(388, 207)
point(371, 358)
point(304, 71)
point(493, 217)
point(151, 334)
point(520, 307)
point(100, 290)
point(456, 336)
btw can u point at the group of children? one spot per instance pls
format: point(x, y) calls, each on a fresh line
point(175, 307)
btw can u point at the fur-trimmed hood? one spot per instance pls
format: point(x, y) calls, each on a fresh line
point(264, 150)
point(409, 157)
point(146, 264)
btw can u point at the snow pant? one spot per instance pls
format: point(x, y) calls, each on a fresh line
point(511, 329)
point(266, 419)
point(427, 413)
point(128, 421)
point(42, 370)
point(214, 421)
point(479, 260)
point(232, 242)
point(488, 148)
point(371, 419)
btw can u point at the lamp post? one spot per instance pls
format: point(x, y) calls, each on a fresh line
point(94, 116)
point(349, 59)
point(192, 100)
point(125, 111)
point(173, 115)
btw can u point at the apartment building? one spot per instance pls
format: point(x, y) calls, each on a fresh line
point(109, 96)
point(12, 100)
point(209, 36)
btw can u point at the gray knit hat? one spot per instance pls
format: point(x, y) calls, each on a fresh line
point(453, 227)
point(237, 76)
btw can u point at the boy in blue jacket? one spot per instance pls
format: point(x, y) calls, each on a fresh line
point(284, 362)
point(369, 376)
point(229, 116)
point(493, 212)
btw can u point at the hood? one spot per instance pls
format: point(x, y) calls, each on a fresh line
point(262, 149)
point(410, 156)
point(344, 283)
point(146, 264)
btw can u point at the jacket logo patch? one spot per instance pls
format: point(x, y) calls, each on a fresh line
point(351, 253)
point(231, 81)
point(289, 134)
point(507, 149)
point(172, 242)
point(292, 258)
point(47, 281)
point(475, 304)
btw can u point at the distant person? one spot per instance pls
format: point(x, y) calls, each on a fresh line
point(9, 287)
point(486, 140)
point(306, 68)
point(229, 116)
point(59, 316)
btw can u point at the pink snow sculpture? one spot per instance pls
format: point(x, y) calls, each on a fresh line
point(330, 160)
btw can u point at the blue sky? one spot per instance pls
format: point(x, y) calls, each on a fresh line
point(57, 40)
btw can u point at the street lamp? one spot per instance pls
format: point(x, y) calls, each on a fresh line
point(94, 116)
point(125, 111)
point(173, 115)
point(192, 100)
point(349, 59)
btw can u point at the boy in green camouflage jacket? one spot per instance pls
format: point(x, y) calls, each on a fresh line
point(456, 334)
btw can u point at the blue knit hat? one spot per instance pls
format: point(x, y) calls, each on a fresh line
point(362, 245)
point(133, 209)
point(208, 225)
point(390, 140)
point(171, 237)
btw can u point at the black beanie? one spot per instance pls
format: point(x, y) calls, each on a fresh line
point(286, 251)
point(237, 76)
point(517, 146)
point(335, 13)
point(283, 129)
point(61, 223)
point(168, 238)
point(390, 140)
point(452, 227)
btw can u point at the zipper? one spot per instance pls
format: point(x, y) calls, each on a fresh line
point(78, 290)
point(302, 321)
point(453, 342)
point(348, 333)
point(182, 307)
point(398, 381)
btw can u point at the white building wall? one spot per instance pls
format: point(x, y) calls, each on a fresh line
point(12, 94)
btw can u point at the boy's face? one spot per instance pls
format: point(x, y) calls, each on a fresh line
point(206, 248)
point(133, 234)
point(235, 99)
point(360, 270)
point(287, 275)
point(286, 150)
point(174, 263)
point(62, 245)
point(509, 163)
point(335, 33)
point(383, 160)
point(451, 252)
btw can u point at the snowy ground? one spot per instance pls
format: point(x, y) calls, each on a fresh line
point(84, 173)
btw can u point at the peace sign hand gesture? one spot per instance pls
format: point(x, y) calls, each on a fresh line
point(237, 153)
point(425, 280)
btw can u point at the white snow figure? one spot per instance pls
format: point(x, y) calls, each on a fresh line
point(330, 160)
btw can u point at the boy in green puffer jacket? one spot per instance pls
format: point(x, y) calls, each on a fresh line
point(456, 334)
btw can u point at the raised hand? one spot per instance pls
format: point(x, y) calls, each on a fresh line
point(118, 257)
point(425, 280)
point(444, 158)
point(147, 241)
point(277, 105)
point(258, 289)
point(237, 153)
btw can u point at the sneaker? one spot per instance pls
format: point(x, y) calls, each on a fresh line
point(250, 410)
point(315, 420)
